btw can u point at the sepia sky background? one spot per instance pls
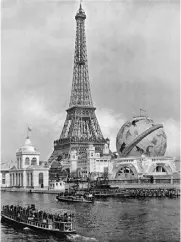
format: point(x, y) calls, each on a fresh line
point(133, 58)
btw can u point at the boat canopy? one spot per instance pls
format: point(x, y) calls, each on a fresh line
point(53, 211)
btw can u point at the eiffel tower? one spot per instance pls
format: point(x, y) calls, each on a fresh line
point(81, 126)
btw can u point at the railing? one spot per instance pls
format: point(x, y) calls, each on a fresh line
point(145, 181)
point(176, 181)
point(131, 181)
point(165, 181)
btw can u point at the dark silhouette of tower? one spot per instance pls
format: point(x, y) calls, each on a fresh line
point(81, 127)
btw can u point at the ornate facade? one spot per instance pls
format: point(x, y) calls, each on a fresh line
point(130, 168)
point(91, 164)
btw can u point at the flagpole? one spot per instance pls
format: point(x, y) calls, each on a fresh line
point(29, 130)
point(27, 133)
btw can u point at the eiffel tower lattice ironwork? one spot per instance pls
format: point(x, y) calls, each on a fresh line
point(81, 126)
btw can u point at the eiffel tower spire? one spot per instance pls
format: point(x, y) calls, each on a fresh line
point(81, 126)
point(81, 94)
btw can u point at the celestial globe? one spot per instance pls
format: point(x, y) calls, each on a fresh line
point(141, 136)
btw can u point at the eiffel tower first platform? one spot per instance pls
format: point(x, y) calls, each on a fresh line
point(81, 127)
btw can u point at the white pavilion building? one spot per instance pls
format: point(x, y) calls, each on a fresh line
point(27, 172)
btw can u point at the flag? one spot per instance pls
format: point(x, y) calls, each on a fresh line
point(142, 110)
point(29, 129)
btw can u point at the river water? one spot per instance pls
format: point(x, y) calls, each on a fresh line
point(113, 219)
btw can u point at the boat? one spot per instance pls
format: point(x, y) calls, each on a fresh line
point(76, 197)
point(59, 223)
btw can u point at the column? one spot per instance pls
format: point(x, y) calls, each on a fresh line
point(27, 179)
point(24, 179)
point(10, 179)
point(171, 180)
point(31, 179)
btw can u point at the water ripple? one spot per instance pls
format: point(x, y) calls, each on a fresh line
point(110, 220)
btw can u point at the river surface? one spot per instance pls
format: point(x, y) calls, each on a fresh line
point(113, 219)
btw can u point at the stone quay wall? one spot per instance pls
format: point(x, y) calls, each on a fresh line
point(84, 185)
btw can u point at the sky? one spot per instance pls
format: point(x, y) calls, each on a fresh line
point(133, 58)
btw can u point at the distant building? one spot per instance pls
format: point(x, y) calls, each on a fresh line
point(27, 173)
point(4, 176)
point(57, 185)
point(91, 163)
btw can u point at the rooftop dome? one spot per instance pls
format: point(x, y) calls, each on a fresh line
point(27, 147)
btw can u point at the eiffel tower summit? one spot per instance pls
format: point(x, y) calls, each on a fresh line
point(81, 127)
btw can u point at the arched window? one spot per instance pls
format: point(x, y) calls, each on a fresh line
point(27, 161)
point(160, 169)
point(34, 161)
point(20, 163)
point(41, 179)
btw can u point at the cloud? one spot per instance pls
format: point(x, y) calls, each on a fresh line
point(110, 123)
point(35, 113)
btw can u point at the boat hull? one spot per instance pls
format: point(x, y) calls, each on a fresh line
point(17, 224)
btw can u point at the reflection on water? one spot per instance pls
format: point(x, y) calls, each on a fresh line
point(106, 220)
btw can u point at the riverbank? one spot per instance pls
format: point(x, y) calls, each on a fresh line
point(28, 190)
point(121, 186)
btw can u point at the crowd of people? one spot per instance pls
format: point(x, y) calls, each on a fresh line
point(31, 213)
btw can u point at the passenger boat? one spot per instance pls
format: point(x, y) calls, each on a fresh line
point(77, 197)
point(59, 223)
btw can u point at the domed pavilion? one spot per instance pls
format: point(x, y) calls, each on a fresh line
point(27, 172)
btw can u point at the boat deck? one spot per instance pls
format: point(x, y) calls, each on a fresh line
point(66, 226)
